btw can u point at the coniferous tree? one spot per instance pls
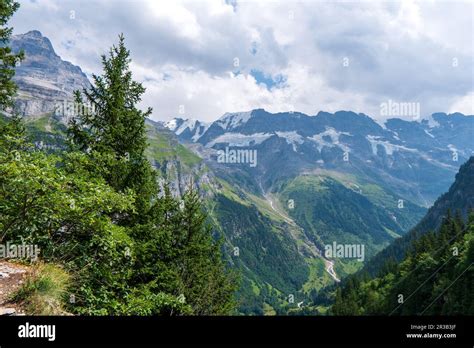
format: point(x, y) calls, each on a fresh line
point(435, 278)
point(114, 129)
point(8, 60)
point(204, 279)
point(178, 266)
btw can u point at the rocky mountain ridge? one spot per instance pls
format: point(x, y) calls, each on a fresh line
point(45, 81)
point(417, 159)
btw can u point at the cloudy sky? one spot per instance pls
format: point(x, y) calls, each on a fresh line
point(200, 59)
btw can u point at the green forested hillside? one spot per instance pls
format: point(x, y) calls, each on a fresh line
point(435, 278)
point(332, 210)
point(460, 197)
point(429, 271)
point(271, 265)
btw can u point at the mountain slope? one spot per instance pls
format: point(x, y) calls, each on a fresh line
point(460, 197)
point(416, 160)
point(331, 212)
point(434, 275)
point(45, 81)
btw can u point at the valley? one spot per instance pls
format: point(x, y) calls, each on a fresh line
point(315, 252)
point(330, 177)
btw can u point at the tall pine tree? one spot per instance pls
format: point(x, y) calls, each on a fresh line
point(8, 60)
point(178, 265)
point(115, 131)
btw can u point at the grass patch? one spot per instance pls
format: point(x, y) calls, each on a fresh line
point(318, 277)
point(345, 267)
point(162, 146)
point(44, 290)
point(268, 310)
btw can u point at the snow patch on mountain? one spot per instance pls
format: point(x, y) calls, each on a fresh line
point(178, 126)
point(200, 131)
point(429, 134)
point(229, 121)
point(171, 125)
point(334, 135)
point(432, 123)
point(240, 140)
point(292, 138)
point(388, 146)
point(187, 124)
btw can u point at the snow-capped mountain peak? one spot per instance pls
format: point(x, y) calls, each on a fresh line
point(229, 121)
point(339, 140)
point(171, 125)
point(188, 129)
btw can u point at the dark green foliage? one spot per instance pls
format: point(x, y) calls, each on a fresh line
point(146, 301)
point(96, 209)
point(459, 198)
point(175, 253)
point(435, 278)
point(8, 60)
point(271, 264)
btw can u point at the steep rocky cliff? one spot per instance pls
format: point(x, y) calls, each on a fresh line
point(45, 81)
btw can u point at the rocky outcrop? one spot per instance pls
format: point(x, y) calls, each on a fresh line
point(45, 81)
point(12, 276)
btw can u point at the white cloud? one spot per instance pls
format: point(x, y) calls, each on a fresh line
point(464, 104)
point(205, 96)
point(184, 51)
point(180, 19)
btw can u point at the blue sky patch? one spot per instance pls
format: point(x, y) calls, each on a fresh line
point(268, 80)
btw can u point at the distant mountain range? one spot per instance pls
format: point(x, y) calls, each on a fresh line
point(417, 160)
point(319, 179)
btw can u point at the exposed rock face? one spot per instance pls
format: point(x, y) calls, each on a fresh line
point(44, 79)
point(417, 160)
point(174, 170)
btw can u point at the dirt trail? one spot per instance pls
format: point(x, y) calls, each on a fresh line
point(330, 269)
point(12, 276)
